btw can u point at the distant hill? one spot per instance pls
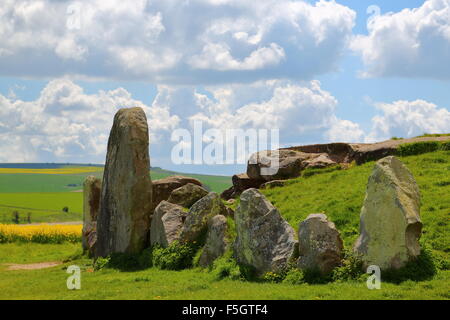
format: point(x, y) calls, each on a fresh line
point(32, 182)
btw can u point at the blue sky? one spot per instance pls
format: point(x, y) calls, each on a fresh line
point(313, 69)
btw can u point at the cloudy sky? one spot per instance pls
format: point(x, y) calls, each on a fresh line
point(321, 71)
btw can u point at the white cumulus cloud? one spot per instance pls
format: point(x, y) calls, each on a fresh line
point(172, 41)
point(408, 119)
point(301, 110)
point(409, 43)
point(66, 124)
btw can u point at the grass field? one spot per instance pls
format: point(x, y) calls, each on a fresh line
point(43, 207)
point(187, 284)
point(339, 193)
point(44, 190)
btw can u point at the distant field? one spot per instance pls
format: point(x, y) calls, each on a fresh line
point(43, 207)
point(70, 178)
point(64, 170)
point(43, 190)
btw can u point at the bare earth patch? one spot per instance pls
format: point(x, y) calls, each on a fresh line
point(31, 266)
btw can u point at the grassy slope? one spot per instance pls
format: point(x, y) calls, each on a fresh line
point(187, 284)
point(340, 195)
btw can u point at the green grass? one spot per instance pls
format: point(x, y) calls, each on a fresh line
point(25, 182)
point(44, 207)
point(187, 284)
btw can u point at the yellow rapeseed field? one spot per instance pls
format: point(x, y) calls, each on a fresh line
point(42, 233)
point(64, 170)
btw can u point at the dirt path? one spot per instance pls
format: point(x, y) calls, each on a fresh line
point(31, 266)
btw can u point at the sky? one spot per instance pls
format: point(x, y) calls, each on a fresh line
point(319, 71)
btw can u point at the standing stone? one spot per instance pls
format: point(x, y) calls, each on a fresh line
point(187, 195)
point(196, 223)
point(124, 220)
point(92, 188)
point(216, 241)
point(390, 225)
point(264, 239)
point(320, 245)
point(167, 222)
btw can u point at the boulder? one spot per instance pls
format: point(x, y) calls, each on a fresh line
point(167, 222)
point(187, 195)
point(230, 212)
point(241, 182)
point(320, 245)
point(321, 161)
point(124, 219)
point(216, 241)
point(162, 188)
point(273, 184)
point(92, 188)
point(231, 201)
point(264, 240)
point(336, 152)
point(196, 223)
point(277, 165)
point(390, 225)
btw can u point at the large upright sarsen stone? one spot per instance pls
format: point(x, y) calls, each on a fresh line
point(390, 225)
point(124, 220)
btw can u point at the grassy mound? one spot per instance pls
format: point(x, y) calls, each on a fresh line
point(340, 193)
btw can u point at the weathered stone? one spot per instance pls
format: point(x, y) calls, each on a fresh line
point(167, 222)
point(231, 201)
point(91, 238)
point(230, 212)
point(390, 225)
point(241, 182)
point(320, 244)
point(187, 195)
point(92, 188)
point(196, 223)
point(264, 239)
point(277, 164)
point(336, 152)
point(273, 184)
point(319, 162)
point(124, 219)
point(216, 241)
point(162, 188)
